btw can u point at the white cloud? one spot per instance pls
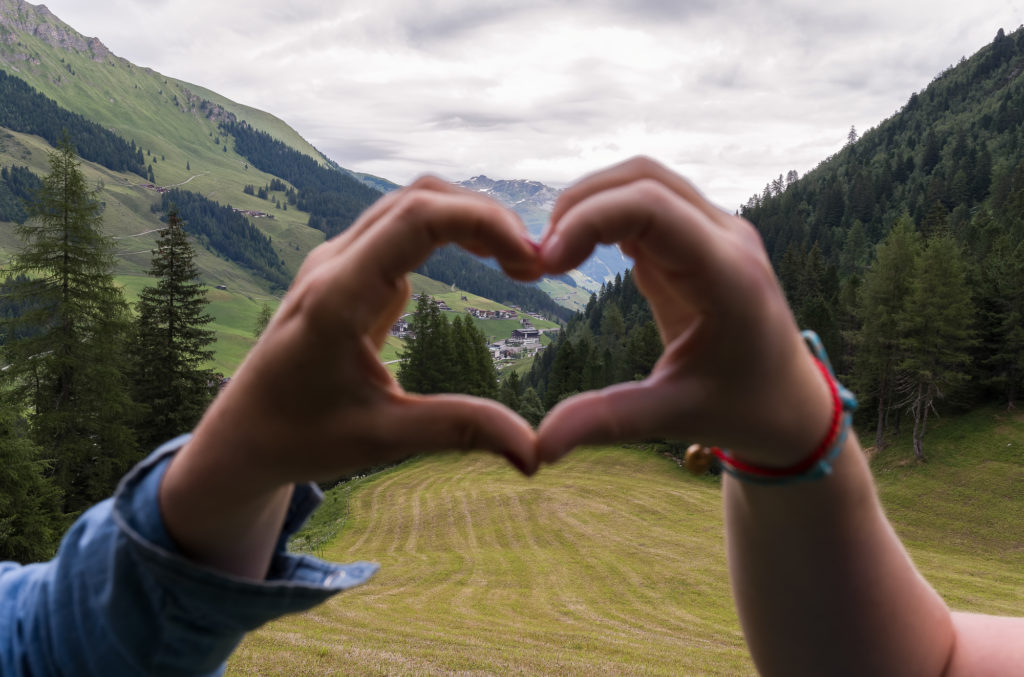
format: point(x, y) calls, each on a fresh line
point(730, 93)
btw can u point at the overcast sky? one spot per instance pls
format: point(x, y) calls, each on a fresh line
point(729, 93)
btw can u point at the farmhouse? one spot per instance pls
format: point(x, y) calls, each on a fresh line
point(525, 334)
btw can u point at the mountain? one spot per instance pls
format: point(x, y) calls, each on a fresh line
point(533, 201)
point(255, 195)
point(904, 251)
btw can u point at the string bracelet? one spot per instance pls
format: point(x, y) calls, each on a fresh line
point(815, 466)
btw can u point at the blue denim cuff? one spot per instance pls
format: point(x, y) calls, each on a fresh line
point(205, 603)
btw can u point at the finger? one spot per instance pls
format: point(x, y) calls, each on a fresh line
point(371, 215)
point(673, 311)
point(627, 412)
point(386, 319)
point(666, 229)
point(427, 423)
point(628, 172)
point(414, 227)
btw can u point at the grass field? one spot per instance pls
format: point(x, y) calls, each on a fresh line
point(611, 562)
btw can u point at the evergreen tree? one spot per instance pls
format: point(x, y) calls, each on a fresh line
point(30, 519)
point(643, 349)
point(530, 407)
point(427, 361)
point(1002, 307)
point(474, 369)
point(936, 329)
point(262, 320)
point(510, 394)
point(67, 350)
point(172, 346)
point(883, 293)
point(445, 357)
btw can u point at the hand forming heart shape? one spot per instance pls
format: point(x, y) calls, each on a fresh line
point(312, 401)
point(734, 371)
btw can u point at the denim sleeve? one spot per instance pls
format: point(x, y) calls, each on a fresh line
point(120, 599)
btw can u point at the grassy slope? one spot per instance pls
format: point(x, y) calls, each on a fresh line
point(139, 104)
point(611, 562)
point(573, 298)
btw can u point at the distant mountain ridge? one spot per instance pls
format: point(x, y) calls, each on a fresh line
point(534, 201)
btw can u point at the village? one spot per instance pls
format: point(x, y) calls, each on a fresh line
point(524, 341)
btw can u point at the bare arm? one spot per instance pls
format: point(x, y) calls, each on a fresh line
point(821, 582)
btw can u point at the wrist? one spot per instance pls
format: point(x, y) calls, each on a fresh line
point(807, 466)
point(796, 415)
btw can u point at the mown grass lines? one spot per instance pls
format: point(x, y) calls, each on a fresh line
point(610, 563)
point(613, 561)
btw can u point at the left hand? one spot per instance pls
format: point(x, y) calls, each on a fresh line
point(312, 400)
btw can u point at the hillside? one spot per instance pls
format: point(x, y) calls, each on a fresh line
point(174, 124)
point(610, 563)
point(254, 195)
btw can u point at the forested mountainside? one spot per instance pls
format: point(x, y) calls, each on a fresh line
point(904, 249)
point(23, 109)
point(613, 340)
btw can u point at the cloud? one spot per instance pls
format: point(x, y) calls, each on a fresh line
point(730, 92)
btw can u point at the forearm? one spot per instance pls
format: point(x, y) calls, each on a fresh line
point(822, 583)
point(219, 509)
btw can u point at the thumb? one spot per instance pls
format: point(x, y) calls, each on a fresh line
point(627, 412)
point(428, 423)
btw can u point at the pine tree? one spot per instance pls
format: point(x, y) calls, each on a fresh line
point(427, 360)
point(474, 372)
point(530, 407)
point(172, 347)
point(882, 297)
point(262, 320)
point(936, 332)
point(1002, 305)
point(510, 394)
point(68, 348)
point(30, 519)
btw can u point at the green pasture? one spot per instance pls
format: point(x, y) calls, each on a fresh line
point(573, 298)
point(609, 563)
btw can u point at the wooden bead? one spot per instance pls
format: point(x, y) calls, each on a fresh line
point(698, 459)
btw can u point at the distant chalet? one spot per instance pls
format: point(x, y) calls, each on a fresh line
point(526, 334)
point(441, 305)
point(492, 314)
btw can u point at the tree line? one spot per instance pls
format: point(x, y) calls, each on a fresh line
point(333, 198)
point(18, 186)
point(454, 265)
point(23, 109)
point(227, 233)
point(88, 386)
point(613, 340)
point(905, 250)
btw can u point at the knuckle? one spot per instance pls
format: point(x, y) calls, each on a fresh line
point(653, 192)
point(429, 182)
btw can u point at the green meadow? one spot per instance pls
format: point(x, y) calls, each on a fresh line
point(611, 562)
